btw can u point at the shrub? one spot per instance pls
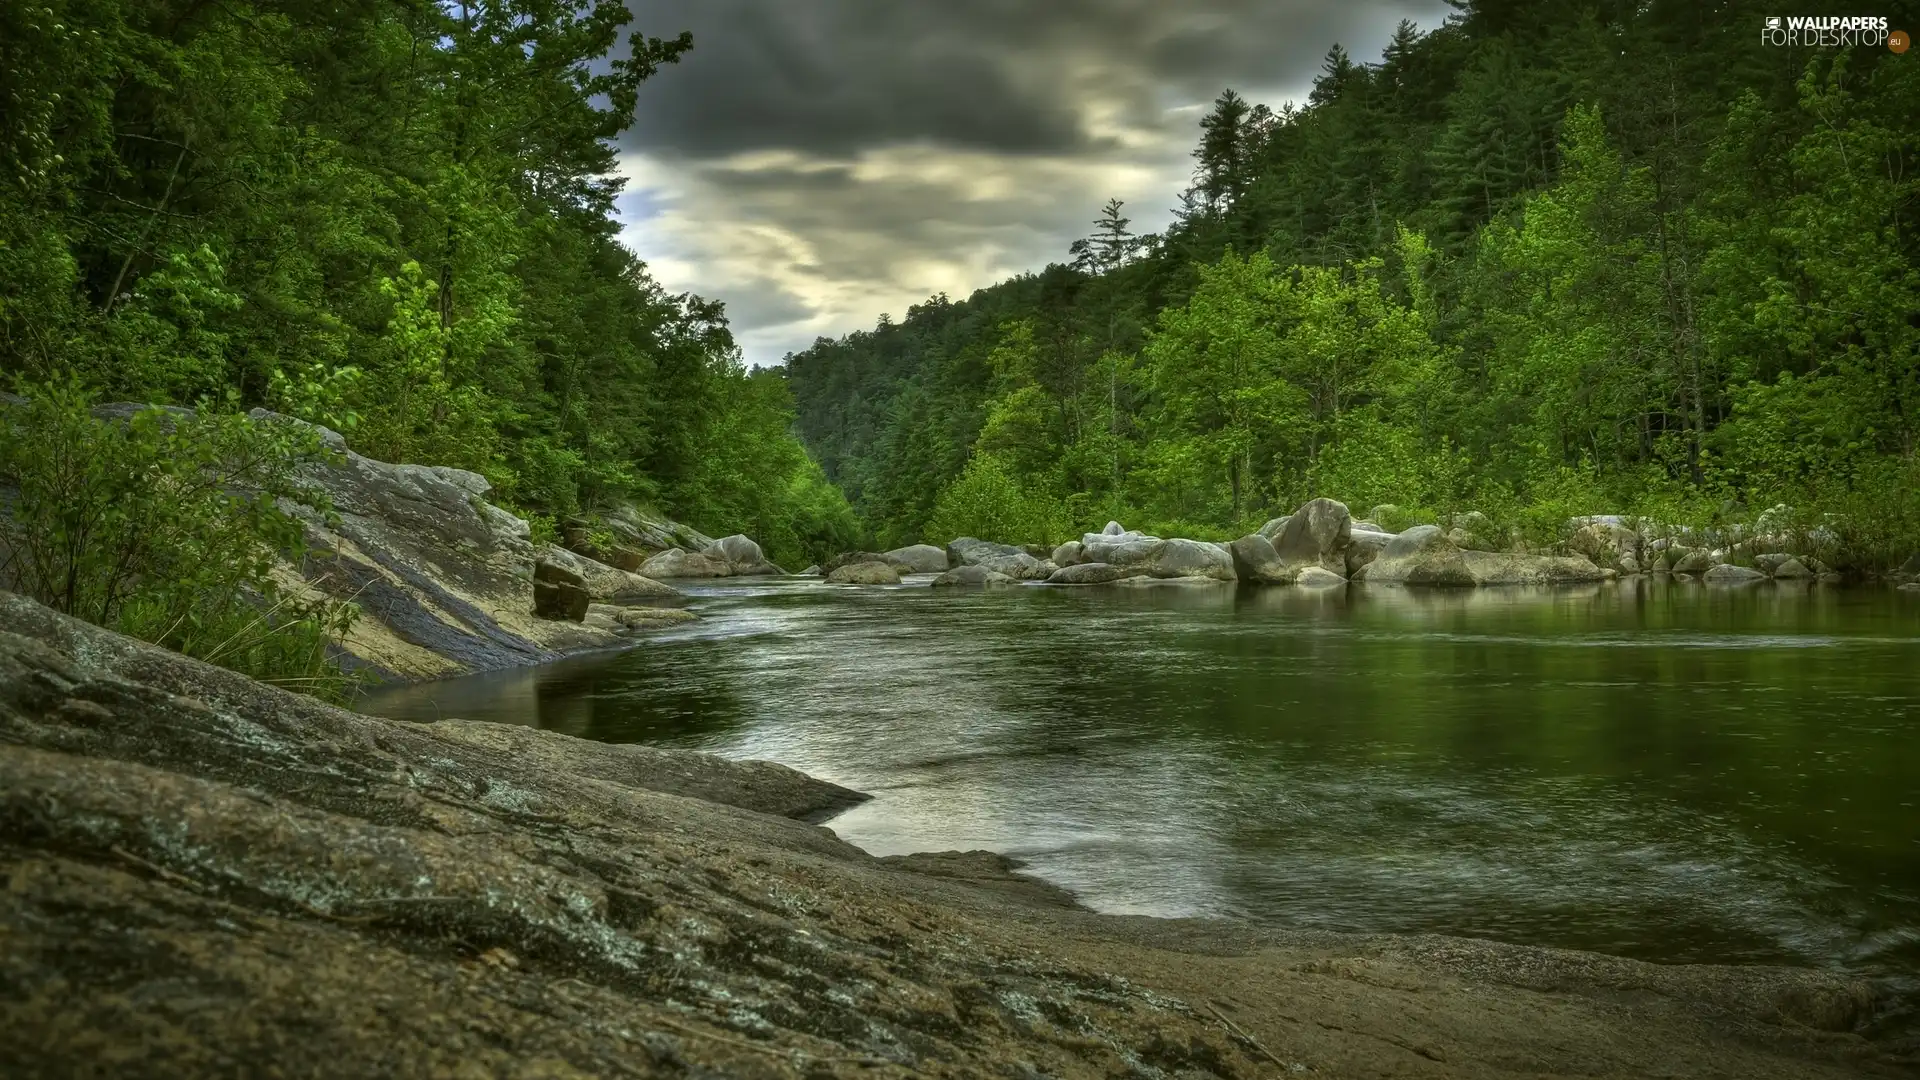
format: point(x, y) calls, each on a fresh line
point(166, 525)
point(987, 501)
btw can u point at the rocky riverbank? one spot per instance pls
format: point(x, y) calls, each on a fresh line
point(206, 876)
point(1321, 544)
point(449, 584)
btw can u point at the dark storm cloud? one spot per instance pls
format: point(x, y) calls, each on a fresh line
point(816, 162)
point(832, 76)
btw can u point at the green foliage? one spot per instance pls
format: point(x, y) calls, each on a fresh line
point(166, 525)
point(1546, 260)
point(989, 501)
point(395, 220)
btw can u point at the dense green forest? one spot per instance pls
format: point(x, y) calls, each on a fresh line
point(1549, 258)
point(393, 217)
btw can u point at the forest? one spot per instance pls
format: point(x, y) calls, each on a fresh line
point(395, 218)
point(1547, 259)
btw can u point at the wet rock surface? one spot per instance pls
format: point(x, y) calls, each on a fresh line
point(209, 877)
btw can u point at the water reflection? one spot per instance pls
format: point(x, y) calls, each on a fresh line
point(1657, 769)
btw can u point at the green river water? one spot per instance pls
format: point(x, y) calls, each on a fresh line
point(1667, 771)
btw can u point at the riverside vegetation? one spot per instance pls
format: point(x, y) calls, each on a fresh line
point(1547, 261)
point(392, 220)
point(415, 411)
point(1544, 262)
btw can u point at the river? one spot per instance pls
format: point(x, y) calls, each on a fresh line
point(1667, 771)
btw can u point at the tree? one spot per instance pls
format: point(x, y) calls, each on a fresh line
point(1111, 244)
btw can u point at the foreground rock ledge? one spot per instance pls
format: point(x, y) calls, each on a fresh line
point(208, 877)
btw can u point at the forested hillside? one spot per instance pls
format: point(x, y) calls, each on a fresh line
point(395, 219)
point(1549, 258)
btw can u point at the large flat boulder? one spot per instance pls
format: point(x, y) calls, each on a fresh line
point(918, 559)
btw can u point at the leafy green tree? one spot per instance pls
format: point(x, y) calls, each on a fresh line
point(990, 501)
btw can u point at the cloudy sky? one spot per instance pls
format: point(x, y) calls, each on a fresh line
point(814, 163)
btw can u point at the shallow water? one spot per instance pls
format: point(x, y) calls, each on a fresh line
point(1666, 771)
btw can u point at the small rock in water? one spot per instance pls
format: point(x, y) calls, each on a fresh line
point(1793, 569)
point(972, 575)
point(1318, 577)
point(1092, 574)
point(865, 573)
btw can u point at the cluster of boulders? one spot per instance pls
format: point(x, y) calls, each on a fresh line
point(570, 586)
point(1322, 544)
point(1730, 555)
point(880, 567)
point(570, 583)
point(729, 556)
